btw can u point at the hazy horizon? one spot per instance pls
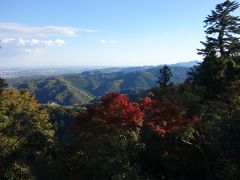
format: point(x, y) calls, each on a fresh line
point(101, 33)
point(90, 66)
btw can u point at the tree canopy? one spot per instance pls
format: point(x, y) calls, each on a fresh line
point(223, 30)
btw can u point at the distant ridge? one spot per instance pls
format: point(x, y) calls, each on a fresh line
point(82, 88)
point(186, 64)
point(66, 87)
point(15, 72)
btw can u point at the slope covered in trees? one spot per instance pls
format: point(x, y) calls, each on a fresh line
point(26, 137)
point(189, 130)
point(82, 88)
point(55, 89)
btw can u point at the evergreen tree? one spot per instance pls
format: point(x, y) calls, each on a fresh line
point(3, 84)
point(222, 31)
point(209, 78)
point(220, 67)
point(165, 76)
point(216, 81)
point(165, 88)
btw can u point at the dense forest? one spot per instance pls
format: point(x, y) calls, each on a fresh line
point(84, 88)
point(188, 130)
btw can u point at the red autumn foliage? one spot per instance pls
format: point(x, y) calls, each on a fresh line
point(115, 109)
point(164, 117)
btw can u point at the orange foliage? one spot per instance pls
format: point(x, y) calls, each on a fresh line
point(21, 100)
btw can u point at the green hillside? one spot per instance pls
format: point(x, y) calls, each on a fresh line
point(82, 88)
point(56, 89)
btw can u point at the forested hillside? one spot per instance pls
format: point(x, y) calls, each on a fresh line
point(188, 130)
point(55, 89)
point(83, 88)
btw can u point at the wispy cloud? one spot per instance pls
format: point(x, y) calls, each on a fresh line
point(88, 30)
point(16, 38)
point(22, 29)
point(109, 41)
point(13, 46)
point(33, 42)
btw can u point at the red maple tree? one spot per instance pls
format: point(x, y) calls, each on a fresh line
point(164, 117)
point(115, 109)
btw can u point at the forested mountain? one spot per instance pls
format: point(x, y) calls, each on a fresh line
point(82, 88)
point(55, 89)
point(185, 126)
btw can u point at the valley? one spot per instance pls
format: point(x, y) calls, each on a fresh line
point(84, 87)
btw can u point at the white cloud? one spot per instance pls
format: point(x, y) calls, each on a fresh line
point(109, 41)
point(7, 40)
point(27, 50)
point(16, 46)
point(17, 39)
point(87, 30)
point(32, 50)
point(20, 42)
point(57, 42)
point(32, 42)
point(22, 29)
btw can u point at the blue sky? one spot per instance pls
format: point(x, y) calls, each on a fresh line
point(101, 32)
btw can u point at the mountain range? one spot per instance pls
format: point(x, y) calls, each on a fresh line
point(82, 88)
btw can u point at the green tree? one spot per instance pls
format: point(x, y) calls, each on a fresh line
point(209, 78)
point(26, 137)
point(3, 84)
point(222, 31)
point(165, 76)
point(220, 67)
point(165, 88)
point(216, 82)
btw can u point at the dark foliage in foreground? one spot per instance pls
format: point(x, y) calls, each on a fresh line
point(185, 131)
